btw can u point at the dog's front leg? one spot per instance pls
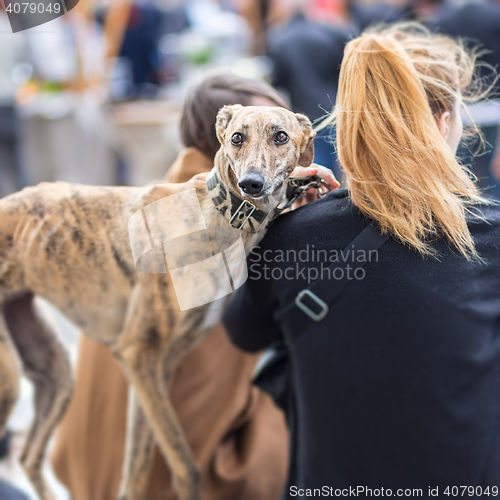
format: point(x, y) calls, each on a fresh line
point(139, 453)
point(143, 366)
point(141, 351)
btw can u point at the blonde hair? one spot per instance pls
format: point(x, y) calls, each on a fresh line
point(400, 171)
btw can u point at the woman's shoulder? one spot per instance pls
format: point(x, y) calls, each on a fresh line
point(334, 204)
point(484, 224)
point(332, 220)
point(487, 212)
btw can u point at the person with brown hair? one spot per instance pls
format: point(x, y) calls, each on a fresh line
point(197, 125)
point(395, 360)
point(237, 435)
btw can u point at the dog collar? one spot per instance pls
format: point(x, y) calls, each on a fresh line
point(243, 214)
point(240, 213)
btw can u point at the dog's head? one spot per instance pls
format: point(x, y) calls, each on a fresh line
point(262, 146)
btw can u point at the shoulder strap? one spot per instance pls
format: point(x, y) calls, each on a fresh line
point(312, 304)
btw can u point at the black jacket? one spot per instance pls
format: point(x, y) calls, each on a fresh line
point(399, 387)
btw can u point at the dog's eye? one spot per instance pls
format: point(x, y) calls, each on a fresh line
point(237, 140)
point(281, 138)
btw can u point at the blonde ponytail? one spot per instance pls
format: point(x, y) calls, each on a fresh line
point(400, 171)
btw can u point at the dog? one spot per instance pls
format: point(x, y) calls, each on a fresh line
point(69, 244)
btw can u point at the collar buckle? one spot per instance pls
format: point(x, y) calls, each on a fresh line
point(242, 214)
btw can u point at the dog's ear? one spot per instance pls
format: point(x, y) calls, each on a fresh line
point(224, 116)
point(307, 146)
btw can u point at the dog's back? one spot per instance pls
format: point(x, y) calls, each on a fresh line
point(68, 243)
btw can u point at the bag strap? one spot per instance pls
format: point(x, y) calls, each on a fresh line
point(312, 304)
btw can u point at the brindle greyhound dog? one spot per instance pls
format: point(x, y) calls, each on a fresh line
point(70, 245)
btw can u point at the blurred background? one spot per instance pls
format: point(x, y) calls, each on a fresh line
point(94, 96)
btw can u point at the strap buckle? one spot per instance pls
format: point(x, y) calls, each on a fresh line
point(242, 214)
point(301, 184)
point(298, 185)
point(307, 310)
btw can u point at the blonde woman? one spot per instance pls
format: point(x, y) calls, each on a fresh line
point(397, 388)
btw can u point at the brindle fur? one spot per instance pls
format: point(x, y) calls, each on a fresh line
point(70, 245)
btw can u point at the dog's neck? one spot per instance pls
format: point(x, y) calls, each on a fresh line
point(242, 213)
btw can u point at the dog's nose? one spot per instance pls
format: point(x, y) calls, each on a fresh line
point(252, 183)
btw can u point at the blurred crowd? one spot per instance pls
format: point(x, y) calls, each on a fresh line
point(95, 96)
